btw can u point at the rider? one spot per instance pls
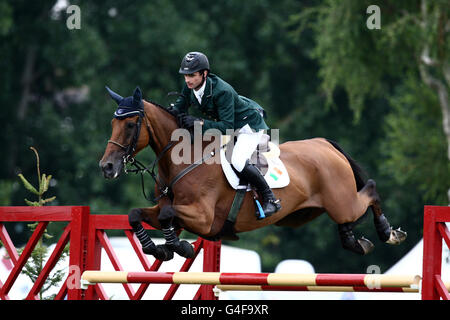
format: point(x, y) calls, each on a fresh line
point(224, 109)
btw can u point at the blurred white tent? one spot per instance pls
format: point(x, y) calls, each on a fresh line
point(232, 260)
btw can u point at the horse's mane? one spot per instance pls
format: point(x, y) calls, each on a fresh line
point(162, 107)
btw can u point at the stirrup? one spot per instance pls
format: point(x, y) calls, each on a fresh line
point(260, 214)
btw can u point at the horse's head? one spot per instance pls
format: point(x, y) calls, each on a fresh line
point(127, 138)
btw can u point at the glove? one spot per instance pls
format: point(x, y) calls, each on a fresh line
point(187, 121)
point(173, 111)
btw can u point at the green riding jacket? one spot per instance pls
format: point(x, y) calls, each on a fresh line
point(222, 108)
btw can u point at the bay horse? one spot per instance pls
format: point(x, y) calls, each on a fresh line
point(323, 178)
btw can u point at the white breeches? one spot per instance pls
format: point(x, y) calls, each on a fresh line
point(246, 144)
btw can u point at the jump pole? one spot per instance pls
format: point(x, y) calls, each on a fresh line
point(411, 289)
point(261, 279)
point(220, 288)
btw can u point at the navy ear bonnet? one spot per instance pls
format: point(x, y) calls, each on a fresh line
point(129, 106)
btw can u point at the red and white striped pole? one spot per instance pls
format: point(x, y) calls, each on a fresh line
point(262, 279)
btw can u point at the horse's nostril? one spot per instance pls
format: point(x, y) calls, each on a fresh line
point(107, 167)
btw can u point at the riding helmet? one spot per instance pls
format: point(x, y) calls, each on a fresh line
point(193, 62)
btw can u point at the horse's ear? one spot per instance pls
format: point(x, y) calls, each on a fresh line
point(116, 97)
point(137, 95)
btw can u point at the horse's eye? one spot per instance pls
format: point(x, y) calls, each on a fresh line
point(130, 125)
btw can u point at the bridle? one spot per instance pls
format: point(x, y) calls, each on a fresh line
point(131, 147)
point(128, 158)
point(164, 188)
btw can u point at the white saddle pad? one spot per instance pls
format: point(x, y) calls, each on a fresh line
point(276, 176)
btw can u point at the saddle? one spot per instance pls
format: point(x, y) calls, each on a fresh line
point(266, 158)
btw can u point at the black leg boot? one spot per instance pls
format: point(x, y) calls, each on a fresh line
point(270, 204)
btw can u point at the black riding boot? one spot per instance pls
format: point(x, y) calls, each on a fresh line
point(270, 204)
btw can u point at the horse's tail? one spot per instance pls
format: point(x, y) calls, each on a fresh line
point(358, 172)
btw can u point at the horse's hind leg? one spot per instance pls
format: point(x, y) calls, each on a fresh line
point(369, 197)
point(384, 230)
point(347, 212)
point(361, 246)
point(365, 198)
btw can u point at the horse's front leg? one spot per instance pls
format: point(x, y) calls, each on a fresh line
point(135, 217)
point(165, 218)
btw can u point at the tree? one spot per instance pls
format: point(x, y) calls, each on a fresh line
point(33, 268)
point(412, 45)
point(434, 64)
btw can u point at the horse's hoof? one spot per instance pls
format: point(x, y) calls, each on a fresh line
point(183, 248)
point(163, 253)
point(188, 249)
point(160, 252)
point(366, 245)
point(397, 236)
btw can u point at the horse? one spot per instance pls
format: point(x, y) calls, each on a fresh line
point(197, 198)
